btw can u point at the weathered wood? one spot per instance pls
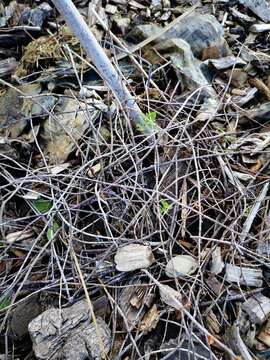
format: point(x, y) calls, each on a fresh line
point(258, 308)
point(244, 275)
point(7, 66)
point(234, 341)
point(217, 264)
point(264, 334)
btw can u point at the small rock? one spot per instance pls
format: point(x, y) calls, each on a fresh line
point(134, 256)
point(200, 31)
point(181, 265)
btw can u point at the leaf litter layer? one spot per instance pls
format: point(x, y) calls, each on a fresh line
point(128, 245)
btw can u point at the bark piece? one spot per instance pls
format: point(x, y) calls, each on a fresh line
point(258, 308)
point(260, 85)
point(134, 300)
point(234, 341)
point(264, 334)
point(69, 334)
point(226, 62)
point(7, 66)
point(259, 28)
point(134, 256)
point(150, 320)
point(260, 8)
point(244, 275)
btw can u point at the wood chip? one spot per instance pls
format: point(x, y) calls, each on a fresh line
point(226, 62)
point(259, 28)
point(150, 320)
point(181, 265)
point(264, 335)
point(217, 263)
point(94, 170)
point(244, 275)
point(260, 85)
point(170, 296)
point(134, 256)
point(258, 308)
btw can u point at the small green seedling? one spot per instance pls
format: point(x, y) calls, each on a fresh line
point(164, 206)
point(52, 230)
point(43, 206)
point(149, 122)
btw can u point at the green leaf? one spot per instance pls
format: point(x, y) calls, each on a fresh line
point(5, 302)
point(42, 205)
point(52, 230)
point(50, 234)
point(164, 206)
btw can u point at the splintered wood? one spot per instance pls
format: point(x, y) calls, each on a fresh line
point(244, 275)
point(257, 308)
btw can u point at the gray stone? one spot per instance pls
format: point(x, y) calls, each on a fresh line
point(199, 31)
point(69, 334)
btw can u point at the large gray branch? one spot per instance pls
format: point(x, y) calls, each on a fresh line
point(106, 70)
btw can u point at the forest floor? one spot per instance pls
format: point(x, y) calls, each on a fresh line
point(117, 242)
